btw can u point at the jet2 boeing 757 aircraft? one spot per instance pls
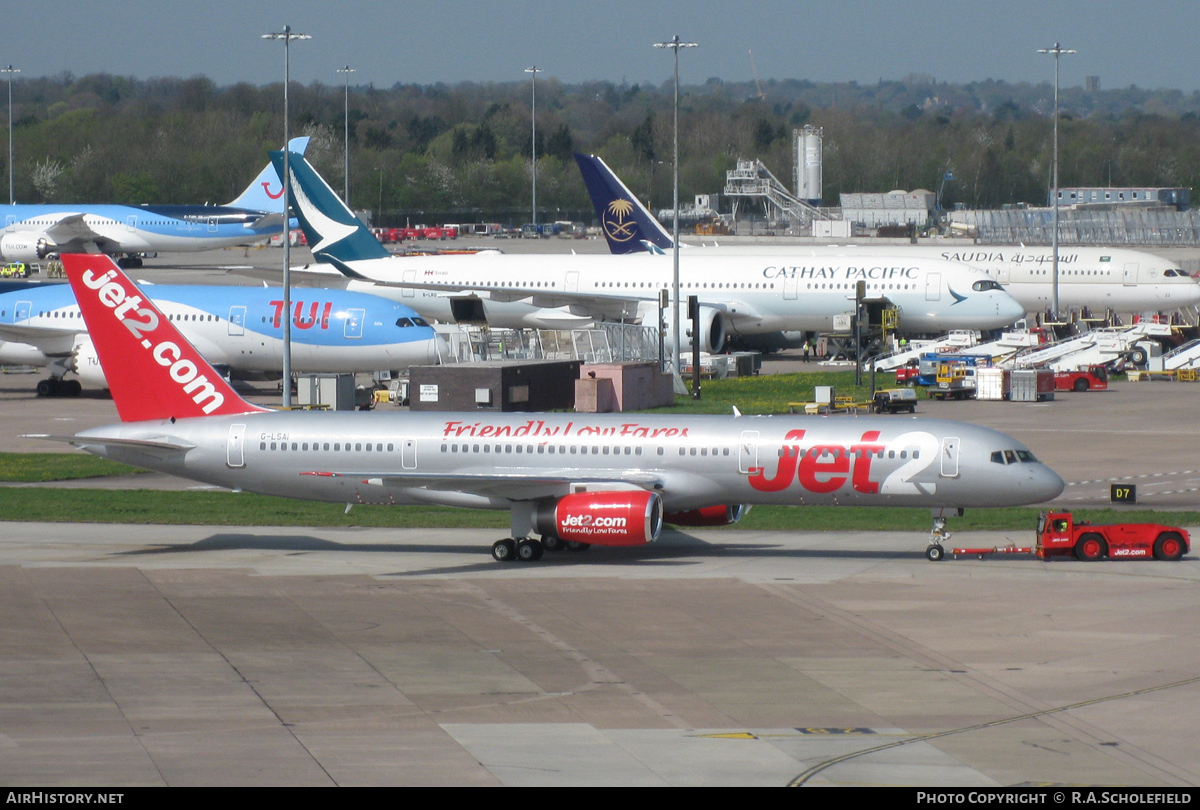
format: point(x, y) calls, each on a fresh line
point(237, 327)
point(33, 232)
point(742, 295)
point(574, 479)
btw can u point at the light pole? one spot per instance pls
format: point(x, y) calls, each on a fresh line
point(533, 72)
point(347, 70)
point(1056, 52)
point(287, 36)
point(10, 70)
point(675, 44)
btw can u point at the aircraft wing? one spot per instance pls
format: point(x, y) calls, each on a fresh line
point(514, 485)
point(73, 229)
point(51, 342)
point(613, 307)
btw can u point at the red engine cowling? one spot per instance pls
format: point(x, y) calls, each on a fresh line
point(603, 518)
point(719, 515)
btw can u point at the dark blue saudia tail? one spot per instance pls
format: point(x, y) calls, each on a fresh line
point(334, 234)
point(627, 225)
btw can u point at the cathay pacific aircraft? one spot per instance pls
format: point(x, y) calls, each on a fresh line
point(737, 294)
point(34, 232)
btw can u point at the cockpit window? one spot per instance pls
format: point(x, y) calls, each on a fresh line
point(1013, 457)
point(404, 322)
point(986, 284)
point(1172, 273)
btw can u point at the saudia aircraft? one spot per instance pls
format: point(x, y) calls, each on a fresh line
point(1126, 281)
point(34, 232)
point(738, 295)
point(574, 479)
point(240, 328)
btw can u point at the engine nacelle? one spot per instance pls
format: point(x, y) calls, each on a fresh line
point(86, 363)
point(719, 515)
point(713, 329)
point(25, 247)
point(606, 518)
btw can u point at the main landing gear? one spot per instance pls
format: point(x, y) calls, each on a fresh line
point(530, 549)
point(58, 387)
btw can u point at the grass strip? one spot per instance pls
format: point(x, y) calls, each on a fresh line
point(32, 468)
point(220, 508)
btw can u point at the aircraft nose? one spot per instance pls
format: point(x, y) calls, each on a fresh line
point(1190, 296)
point(1010, 308)
point(1044, 484)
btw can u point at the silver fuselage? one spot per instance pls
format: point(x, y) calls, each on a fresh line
point(493, 460)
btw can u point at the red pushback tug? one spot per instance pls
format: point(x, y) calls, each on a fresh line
point(1058, 535)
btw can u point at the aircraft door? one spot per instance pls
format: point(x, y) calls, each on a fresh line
point(748, 451)
point(237, 321)
point(234, 449)
point(212, 224)
point(1130, 274)
point(410, 277)
point(131, 223)
point(408, 454)
point(933, 287)
point(22, 311)
point(10, 220)
point(949, 457)
point(571, 284)
point(791, 286)
point(354, 323)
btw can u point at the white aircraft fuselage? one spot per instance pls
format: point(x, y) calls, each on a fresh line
point(754, 294)
point(1125, 281)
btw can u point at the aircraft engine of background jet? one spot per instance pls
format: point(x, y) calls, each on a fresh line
point(23, 247)
point(713, 328)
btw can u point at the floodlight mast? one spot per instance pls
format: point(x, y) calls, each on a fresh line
point(10, 70)
point(533, 72)
point(347, 70)
point(675, 44)
point(287, 36)
point(1056, 52)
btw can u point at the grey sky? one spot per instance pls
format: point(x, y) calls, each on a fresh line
point(1149, 43)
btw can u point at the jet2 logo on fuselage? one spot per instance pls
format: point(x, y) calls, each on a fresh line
point(618, 225)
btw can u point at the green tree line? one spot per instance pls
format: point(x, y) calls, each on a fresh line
point(438, 153)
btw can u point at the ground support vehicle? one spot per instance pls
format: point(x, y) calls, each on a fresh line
point(1086, 378)
point(1058, 535)
point(955, 380)
point(894, 400)
point(908, 373)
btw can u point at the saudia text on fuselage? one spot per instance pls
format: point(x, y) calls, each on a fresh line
point(840, 273)
point(978, 257)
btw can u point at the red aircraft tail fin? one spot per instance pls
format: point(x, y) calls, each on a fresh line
point(152, 369)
